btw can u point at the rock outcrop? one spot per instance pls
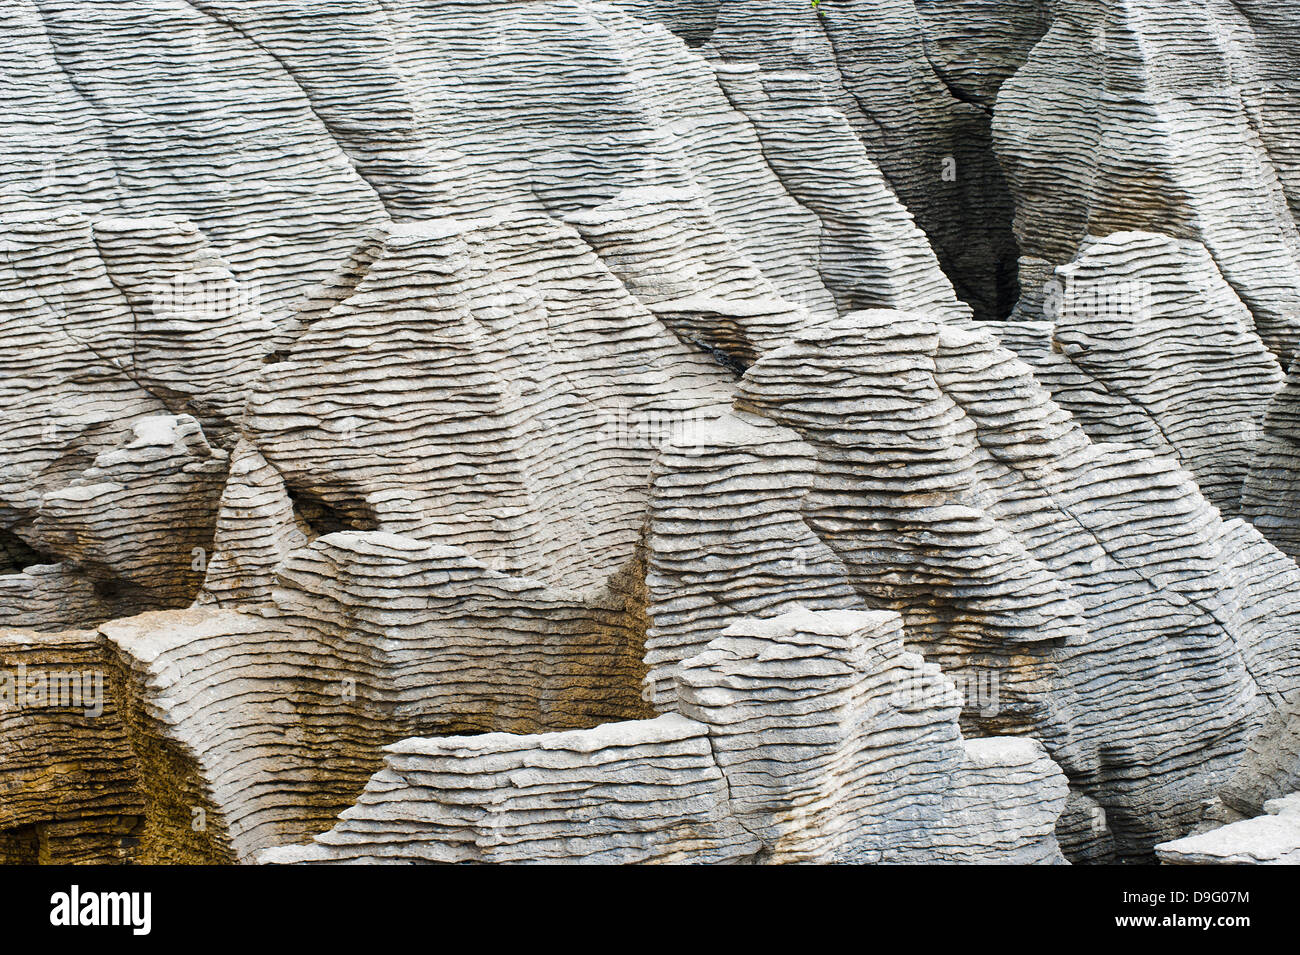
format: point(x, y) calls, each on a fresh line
point(648, 431)
point(809, 737)
point(1270, 839)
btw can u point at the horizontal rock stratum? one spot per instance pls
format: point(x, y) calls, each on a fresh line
point(649, 431)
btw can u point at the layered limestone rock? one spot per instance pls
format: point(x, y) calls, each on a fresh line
point(1142, 137)
point(138, 516)
point(1270, 839)
point(479, 368)
point(68, 772)
point(809, 737)
point(624, 793)
point(130, 348)
point(1029, 561)
point(470, 399)
point(1272, 486)
point(976, 45)
point(727, 538)
point(129, 532)
point(215, 735)
point(1167, 118)
point(1256, 811)
point(265, 725)
point(199, 123)
point(1144, 342)
point(687, 177)
point(1271, 769)
point(873, 62)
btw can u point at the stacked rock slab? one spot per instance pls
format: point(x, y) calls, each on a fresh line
point(140, 517)
point(726, 538)
point(1026, 559)
point(1145, 343)
point(231, 732)
point(436, 444)
point(67, 770)
point(814, 738)
point(1167, 118)
point(1270, 839)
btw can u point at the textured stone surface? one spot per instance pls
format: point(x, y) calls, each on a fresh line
point(1270, 839)
point(953, 490)
point(649, 431)
point(1170, 118)
point(803, 738)
point(1143, 341)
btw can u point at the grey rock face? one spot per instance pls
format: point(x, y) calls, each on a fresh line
point(1128, 88)
point(802, 738)
point(600, 432)
point(1270, 839)
point(1143, 341)
point(955, 491)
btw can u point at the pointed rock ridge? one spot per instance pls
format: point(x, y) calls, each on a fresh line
point(462, 394)
point(1104, 130)
point(257, 529)
point(1049, 576)
point(726, 538)
point(870, 58)
point(814, 738)
point(1145, 342)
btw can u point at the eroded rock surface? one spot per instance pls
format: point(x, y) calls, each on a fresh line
point(648, 431)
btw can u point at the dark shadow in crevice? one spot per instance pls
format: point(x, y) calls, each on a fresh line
point(318, 516)
point(16, 555)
